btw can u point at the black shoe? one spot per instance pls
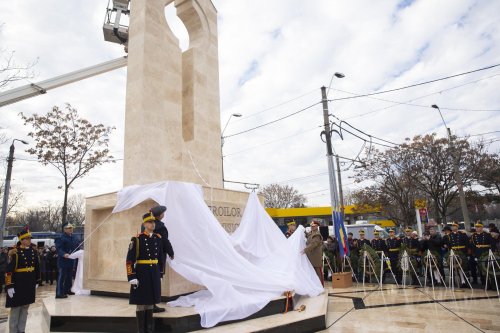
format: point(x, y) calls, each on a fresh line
point(463, 285)
point(61, 296)
point(141, 321)
point(157, 309)
point(70, 293)
point(150, 321)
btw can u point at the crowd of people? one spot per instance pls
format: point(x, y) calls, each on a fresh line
point(25, 267)
point(470, 249)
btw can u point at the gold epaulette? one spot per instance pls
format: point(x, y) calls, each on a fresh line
point(159, 236)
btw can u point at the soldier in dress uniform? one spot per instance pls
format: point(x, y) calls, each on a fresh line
point(291, 228)
point(481, 243)
point(353, 252)
point(458, 242)
point(393, 248)
point(21, 279)
point(160, 228)
point(362, 240)
point(145, 268)
point(378, 244)
point(412, 246)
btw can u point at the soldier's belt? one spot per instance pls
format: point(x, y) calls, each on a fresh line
point(393, 250)
point(483, 246)
point(461, 247)
point(25, 270)
point(147, 262)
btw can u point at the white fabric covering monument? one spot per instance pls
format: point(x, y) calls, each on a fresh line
point(242, 272)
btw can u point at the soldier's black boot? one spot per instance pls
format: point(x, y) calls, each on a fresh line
point(157, 309)
point(141, 321)
point(150, 322)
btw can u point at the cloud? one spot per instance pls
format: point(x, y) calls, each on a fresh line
point(271, 52)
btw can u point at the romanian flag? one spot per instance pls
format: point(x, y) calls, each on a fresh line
point(338, 225)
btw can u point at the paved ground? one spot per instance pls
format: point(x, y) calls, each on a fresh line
point(371, 309)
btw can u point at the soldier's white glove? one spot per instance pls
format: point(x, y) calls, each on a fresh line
point(134, 282)
point(36, 286)
point(11, 292)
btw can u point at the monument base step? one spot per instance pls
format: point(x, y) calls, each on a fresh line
point(114, 314)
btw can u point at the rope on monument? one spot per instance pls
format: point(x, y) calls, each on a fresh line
point(86, 238)
point(202, 179)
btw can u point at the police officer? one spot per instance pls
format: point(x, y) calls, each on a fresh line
point(145, 268)
point(393, 248)
point(291, 228)
point(21, 279)
point(353, 251)
point(160, 228)
point(481, 243)
point(65, 245)
point(458, 242)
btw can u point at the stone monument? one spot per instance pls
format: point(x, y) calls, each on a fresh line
point(172, 132)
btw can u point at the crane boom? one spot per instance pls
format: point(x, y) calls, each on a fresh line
point(35, 89)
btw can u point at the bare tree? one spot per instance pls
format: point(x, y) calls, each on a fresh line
point(15, 197)
point(76, 209)
point(282, 196)
point(11, 71)
point(71, 144)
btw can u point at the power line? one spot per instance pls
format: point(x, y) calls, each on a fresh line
point(273, 141)
point(417, 98)
point(413, 85)
point(357, 129)
point(376, 143)
point(479, 134)
point(272, 122)
point(274, 106)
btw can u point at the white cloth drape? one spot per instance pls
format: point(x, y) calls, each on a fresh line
point(241, 273)
point(77, 287)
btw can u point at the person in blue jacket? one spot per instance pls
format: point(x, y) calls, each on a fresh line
point(65, 245)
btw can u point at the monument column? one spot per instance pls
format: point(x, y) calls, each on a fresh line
point(172, 103)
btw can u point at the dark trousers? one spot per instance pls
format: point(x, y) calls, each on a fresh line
point(64, 281)
point(50, 274)
point(2, 281)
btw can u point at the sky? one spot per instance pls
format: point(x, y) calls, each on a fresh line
point(274, 56)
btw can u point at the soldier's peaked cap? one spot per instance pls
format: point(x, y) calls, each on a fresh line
point(362, 232)
point(148, 217)
point(25, 233)
point(158, 210)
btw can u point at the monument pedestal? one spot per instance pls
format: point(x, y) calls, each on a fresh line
point(108, 236)
point(112, 314)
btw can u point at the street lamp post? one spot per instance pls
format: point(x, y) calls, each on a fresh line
point(6, 190)
point(334, 197)
point(237, 115)
point(458, 178)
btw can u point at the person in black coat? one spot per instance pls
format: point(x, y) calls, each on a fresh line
point(145, 268)
point(4, 258)
point(160, 228)
point(51, 265)
point(433, 242)
point(21, 279)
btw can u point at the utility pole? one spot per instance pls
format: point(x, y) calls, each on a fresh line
point(458, 180)
point(334, 199)
point(456, 172)
point(6, 189)
point(341, 192)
